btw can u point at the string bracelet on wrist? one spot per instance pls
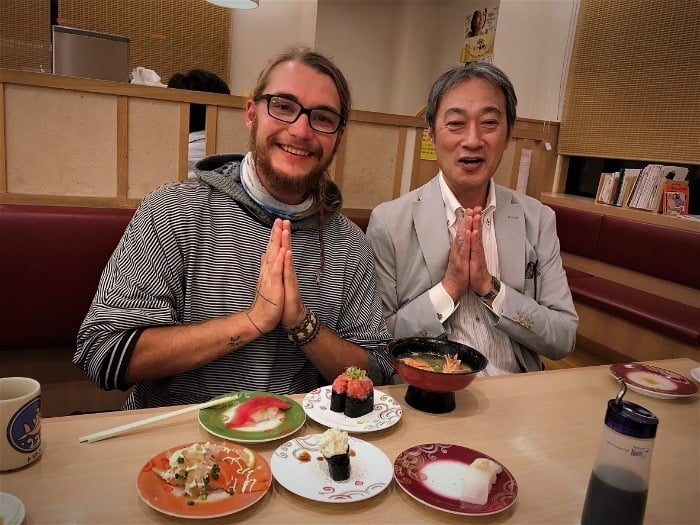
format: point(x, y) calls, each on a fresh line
point(247, 314)
point(305, 330)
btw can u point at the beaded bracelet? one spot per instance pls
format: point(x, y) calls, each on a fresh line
point(305, 330)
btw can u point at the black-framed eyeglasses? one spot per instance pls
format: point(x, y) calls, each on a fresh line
point(288, 110)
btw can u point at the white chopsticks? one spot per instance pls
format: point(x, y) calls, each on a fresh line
point(97, 436)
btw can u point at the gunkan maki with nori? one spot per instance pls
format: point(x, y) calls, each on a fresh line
point(338, 390)
point(335, 448)
point(354, 391)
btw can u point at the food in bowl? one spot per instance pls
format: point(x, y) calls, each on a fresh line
point(445, 363)
point(471, 363)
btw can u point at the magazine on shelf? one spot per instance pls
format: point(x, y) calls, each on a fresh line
point(675, 198)
point(629, 178)
point(608, 188)
point(648, 189)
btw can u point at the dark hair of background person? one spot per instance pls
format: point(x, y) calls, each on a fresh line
point(463, 73)
point(199, 80)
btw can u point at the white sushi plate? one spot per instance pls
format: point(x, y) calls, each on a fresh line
point(299, 467)
point(386, 412)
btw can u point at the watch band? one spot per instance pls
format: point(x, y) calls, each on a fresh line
point(493, 292)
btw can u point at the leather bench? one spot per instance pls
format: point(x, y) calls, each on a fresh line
point(661, 252)
point(52, 260)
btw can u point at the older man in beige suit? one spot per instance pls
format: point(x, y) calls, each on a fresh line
point(465, 258)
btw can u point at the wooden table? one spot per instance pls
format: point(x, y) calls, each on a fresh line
point(544, 427)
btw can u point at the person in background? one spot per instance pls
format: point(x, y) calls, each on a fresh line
point(247, 277)
point(465, 258)
point(198, 80)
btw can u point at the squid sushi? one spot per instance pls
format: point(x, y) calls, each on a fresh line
point(334, 447)
point(359, 395)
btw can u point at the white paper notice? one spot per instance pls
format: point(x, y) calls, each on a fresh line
point(524, 170)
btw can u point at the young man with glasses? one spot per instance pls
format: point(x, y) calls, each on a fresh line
point(247, 277)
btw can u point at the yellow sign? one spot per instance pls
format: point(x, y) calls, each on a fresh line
point(478, 49)
point(427, 151)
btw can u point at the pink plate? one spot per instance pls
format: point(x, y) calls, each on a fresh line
point(653, 381)
point(445, 460)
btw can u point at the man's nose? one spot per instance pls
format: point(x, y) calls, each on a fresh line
point(301, 126)
point(472, 135)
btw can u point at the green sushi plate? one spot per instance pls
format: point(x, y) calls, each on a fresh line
point(214, 420)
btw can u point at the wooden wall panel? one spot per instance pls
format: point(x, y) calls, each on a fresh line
point(154, 138)
point(232, 133)
point(60, 142)
point(370, 164)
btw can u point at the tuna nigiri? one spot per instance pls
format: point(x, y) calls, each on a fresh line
point(256, 409)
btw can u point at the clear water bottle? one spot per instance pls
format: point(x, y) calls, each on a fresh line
point(617, 490)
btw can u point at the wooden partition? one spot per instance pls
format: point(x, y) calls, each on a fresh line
point(81, 142)
point(76, 141)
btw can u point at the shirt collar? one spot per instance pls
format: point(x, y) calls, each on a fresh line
point(452, 204)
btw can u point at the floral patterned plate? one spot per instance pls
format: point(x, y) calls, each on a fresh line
point(430, 474)
point(653, 381)
point(299, 466)
point(386, 413)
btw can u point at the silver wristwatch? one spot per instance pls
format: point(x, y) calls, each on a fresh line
point(493, 292)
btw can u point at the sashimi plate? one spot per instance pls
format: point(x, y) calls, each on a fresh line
point(653, 381)
point(159, 495)
point(430, 474)
point(299, 466)
point(386, 412)
point(214, 420)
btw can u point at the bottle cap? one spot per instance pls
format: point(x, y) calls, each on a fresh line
point(631, 419)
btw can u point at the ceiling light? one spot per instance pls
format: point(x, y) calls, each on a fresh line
point(235, 4)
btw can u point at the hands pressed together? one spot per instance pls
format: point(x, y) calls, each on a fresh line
point(277, 297)
point(466, 265)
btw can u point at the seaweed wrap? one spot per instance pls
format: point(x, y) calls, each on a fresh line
point(338, 390)
point(359, 395)
point(334, 447)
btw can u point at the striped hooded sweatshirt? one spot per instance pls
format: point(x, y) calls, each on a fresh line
point(192, 253)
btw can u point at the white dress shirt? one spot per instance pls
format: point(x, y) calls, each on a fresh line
point(469, 317)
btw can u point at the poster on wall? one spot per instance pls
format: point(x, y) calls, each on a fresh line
point(479, 35)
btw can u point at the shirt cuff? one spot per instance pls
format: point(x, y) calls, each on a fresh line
point(442, 302)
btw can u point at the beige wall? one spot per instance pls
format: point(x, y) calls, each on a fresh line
point(392, 50)
point(258, 34)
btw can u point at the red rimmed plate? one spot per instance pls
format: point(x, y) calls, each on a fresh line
point(431, 474)
point(169, 500)
point(653, 381)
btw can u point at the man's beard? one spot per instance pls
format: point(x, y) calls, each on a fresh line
point(277, 182)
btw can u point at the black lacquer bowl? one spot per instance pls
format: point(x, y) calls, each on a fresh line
point(431, 391)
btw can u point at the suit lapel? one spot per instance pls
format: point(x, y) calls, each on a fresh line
point(431, 229)
point(509, 220)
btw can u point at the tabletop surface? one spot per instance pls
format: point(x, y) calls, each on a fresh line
point(544, 427)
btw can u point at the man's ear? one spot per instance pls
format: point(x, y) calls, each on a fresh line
point(249, 113)
point(431, 136)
